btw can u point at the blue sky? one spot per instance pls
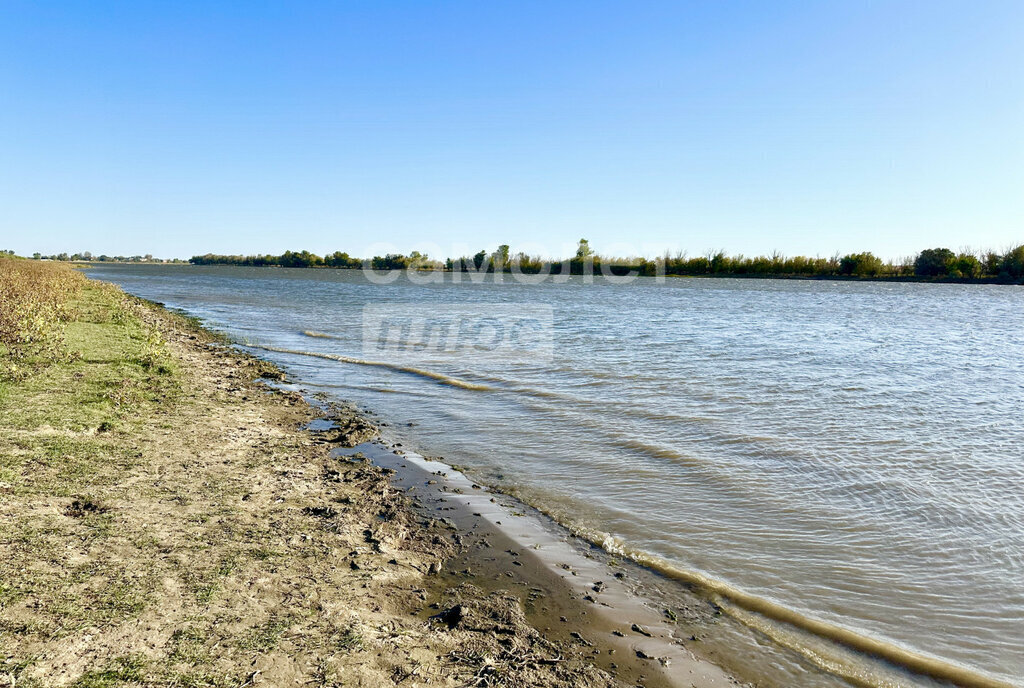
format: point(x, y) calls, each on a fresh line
point(804, 127)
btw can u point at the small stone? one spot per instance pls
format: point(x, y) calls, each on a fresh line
point(580, 638)
point(453, 616)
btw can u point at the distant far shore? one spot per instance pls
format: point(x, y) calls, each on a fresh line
point(618, 271)
point(930, 265)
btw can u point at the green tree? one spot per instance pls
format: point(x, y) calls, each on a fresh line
point(500, 258)
point(934, 262)
point(392, 261)
point(584, 250)
point(990, 263)
point(719, 262)
point(417, 259)
point(966, 265)
point(1013, 262)
point(340, 260)
point(860, 265)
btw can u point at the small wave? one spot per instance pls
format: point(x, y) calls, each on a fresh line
point(430, 374)
point(745, 602)
point(784, 625)
point(378, 390)
point(319, 335)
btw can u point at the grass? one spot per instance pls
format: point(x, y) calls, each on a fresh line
point(189, 645)
point(264, 638)
point(71, 558)
point(66, 445)
point(351, 639)
point(117, 672)
point(121, 365)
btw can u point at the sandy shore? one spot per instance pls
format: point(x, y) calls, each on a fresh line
point(204, 535)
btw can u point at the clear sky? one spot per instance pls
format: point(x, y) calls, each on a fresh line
point(177, 128)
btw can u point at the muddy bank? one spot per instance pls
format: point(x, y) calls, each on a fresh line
point(574, 597)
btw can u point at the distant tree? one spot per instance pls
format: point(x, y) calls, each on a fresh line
point(1012, 263)
point(934, 262)
point(700, 265)
point(392, 261)
point(500, 258)
point(719, 262)
point(860, 265)
point(528, 265)
point(966, 266)
point(340, 260)
point(583, 250)
point(990, 263)
point(418, 260)
point(479, 258)
point(304, 259)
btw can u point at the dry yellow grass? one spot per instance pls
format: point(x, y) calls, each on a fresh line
point(34, 305)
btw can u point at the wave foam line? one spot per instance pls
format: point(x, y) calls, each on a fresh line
point(438, 377)
point(915, 662)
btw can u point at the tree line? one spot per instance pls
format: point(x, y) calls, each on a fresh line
point(88, 257)
point(934, 263)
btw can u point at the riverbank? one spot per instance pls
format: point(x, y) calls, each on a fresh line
point(168, 519)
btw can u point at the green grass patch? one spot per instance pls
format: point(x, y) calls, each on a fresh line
point(119, 671)
point(122, 368)
point(189, 645)
point(264, 638)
